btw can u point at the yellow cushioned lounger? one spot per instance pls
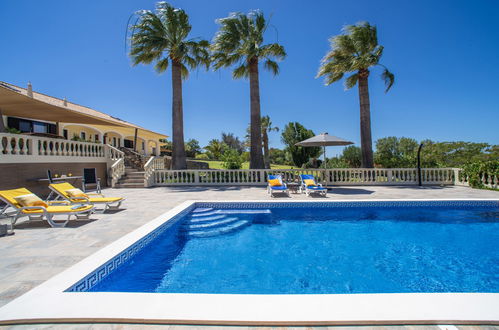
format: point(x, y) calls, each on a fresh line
point(43, 212)
point(61, 190)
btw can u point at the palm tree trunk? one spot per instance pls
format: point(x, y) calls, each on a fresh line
point(178, 152)
point(256, 157)
point(266, 155)
point(365, 120)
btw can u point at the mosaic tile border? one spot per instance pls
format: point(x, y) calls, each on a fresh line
point(103, 271)
point(335, 204)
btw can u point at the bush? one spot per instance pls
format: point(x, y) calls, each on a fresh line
point(203, 156)
point(313, 163)
point(231, 160)
point(476, 170)
point(12, 130)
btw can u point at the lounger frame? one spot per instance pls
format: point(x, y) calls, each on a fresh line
point(45, 215)
point(85, 200)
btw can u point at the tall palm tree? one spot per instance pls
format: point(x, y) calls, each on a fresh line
point(239, 43)
point(356, 51)
point(266, 128)
point(162, 37)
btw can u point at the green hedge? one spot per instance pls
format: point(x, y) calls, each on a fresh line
point(476, 170)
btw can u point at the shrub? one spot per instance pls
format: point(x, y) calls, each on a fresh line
point(476, 170)
point(202, 156)
point(231, 159)
point(12, 130)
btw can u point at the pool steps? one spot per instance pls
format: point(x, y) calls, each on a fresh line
point(221, 230)
point(208, 222)
point(213, 223)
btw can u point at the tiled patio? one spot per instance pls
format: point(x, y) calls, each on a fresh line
point(37, 252)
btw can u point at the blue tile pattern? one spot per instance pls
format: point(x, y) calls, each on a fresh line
point(103, 271)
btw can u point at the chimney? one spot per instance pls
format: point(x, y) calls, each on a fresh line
point(30, 89)
point(65, 102)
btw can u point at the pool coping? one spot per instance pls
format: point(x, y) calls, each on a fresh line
point(49, 303)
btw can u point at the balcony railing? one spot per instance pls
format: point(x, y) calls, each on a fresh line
point(20, 148)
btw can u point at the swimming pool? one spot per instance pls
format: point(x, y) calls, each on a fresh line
point(321, 249)
point(286, 263)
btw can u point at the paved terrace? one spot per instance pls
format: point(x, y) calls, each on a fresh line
point(37, 252)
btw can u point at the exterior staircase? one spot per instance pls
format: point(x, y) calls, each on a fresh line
point(134, 170)
point(133, 178)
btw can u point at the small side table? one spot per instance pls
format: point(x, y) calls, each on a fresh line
point(293, 187)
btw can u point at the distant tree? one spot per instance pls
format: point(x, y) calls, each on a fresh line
point(352, 156)
point(278, 156)
point(267, 127)
point(293, 133)
point(239, 42)
point(392, 152)
point(233, 142)
point(192, 148)
point(337, 162)
point(231, 159)
point(456, 154)
point(356, 51)
point(215, 149)
point(162, 37)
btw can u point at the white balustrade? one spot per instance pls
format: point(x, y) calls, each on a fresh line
point(337, 176)
point(20, 148)
point(116, 171)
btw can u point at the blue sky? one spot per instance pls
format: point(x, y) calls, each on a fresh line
point(444, 54)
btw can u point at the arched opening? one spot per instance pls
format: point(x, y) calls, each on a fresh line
point(82, 132)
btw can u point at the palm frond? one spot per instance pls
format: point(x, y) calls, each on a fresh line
point(240, 38)
point(162, 65)
point(272, 66)
point(162, 35)
point(388, 78)
point(355, 49)
point(351, 81)
point(242, 71)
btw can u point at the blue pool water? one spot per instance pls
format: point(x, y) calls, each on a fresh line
point(319, 250)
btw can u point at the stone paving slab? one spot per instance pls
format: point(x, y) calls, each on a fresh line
point(37, 252)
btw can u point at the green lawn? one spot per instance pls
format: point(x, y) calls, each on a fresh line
point(216, 164)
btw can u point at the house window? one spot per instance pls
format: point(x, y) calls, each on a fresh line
point(143, 146)
point(65, 133)
point(24, 126)
point(114, 141)
point(39, 127)
point(128, 143)
point(31, 126)
point(96, 137)
point(83, 135)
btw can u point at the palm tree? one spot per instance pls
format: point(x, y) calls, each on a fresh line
point(215, 148)
point(239, 42)
point(266, 128)
point(161, 36)
point(356, 51)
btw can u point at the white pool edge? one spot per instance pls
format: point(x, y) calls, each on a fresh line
point(49, 303)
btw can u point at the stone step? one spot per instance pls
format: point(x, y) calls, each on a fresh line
point(129, 185)
point(127, 180)
point(134, 176)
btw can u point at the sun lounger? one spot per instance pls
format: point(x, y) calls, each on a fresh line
point(25, 203)
point(74, 195)
point(309, 186)
point(275, 185)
